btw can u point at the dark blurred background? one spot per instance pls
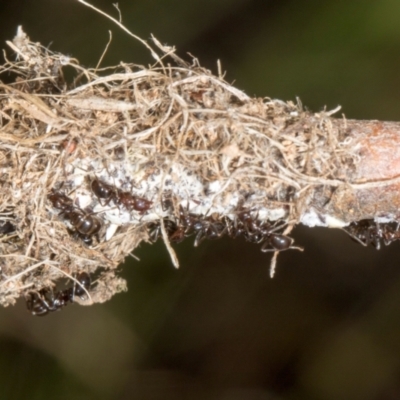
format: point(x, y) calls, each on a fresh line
point(327, 327)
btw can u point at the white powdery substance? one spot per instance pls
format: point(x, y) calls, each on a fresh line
point(385, 219)
point(182, 184)
point(311, 218)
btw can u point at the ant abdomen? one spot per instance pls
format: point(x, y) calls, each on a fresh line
point(86, 224)
point(84, 281)
point(101, 190)
point(280, 242)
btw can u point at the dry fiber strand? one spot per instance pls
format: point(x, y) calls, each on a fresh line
point(91, 167)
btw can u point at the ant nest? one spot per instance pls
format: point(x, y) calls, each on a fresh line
point(90, 168)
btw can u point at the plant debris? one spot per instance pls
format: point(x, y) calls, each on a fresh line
point(91, 167)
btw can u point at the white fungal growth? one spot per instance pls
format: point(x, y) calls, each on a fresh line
point(311, 218)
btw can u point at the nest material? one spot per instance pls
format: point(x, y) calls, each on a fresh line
point(177, 137)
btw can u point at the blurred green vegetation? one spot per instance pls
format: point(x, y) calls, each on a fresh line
point(327, 326)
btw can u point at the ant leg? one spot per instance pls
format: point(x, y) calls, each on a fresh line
point(177, 235)
point(199, 238)
point(35, 305)
point(154, 232)
point(265, 248)
point(62, 298)
point(51, 303)
point(214, 232)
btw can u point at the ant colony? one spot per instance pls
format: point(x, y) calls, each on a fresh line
point(212, 227)
point(88, 225)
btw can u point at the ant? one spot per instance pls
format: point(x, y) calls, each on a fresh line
point(365, 232)
point(210, 228)
point(253, 230)
point(175, 233)
point(129, 200)
point(183, 226)
point(257, 231)
point(45, 300)
point(368, 232)
point(85, 224)
point(206, 228)
point(107, 192)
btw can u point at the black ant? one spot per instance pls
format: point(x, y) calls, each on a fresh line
point(107, 192)
point(185, 224)
point(175, 233)
point(85, 224)
point(190, 223)
point(365, 232)
point(45, 300)
point(368, 232)
point(204, 228)
point(252, 229)
point(257, 231)
point(209, 228)
point(129, 200)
